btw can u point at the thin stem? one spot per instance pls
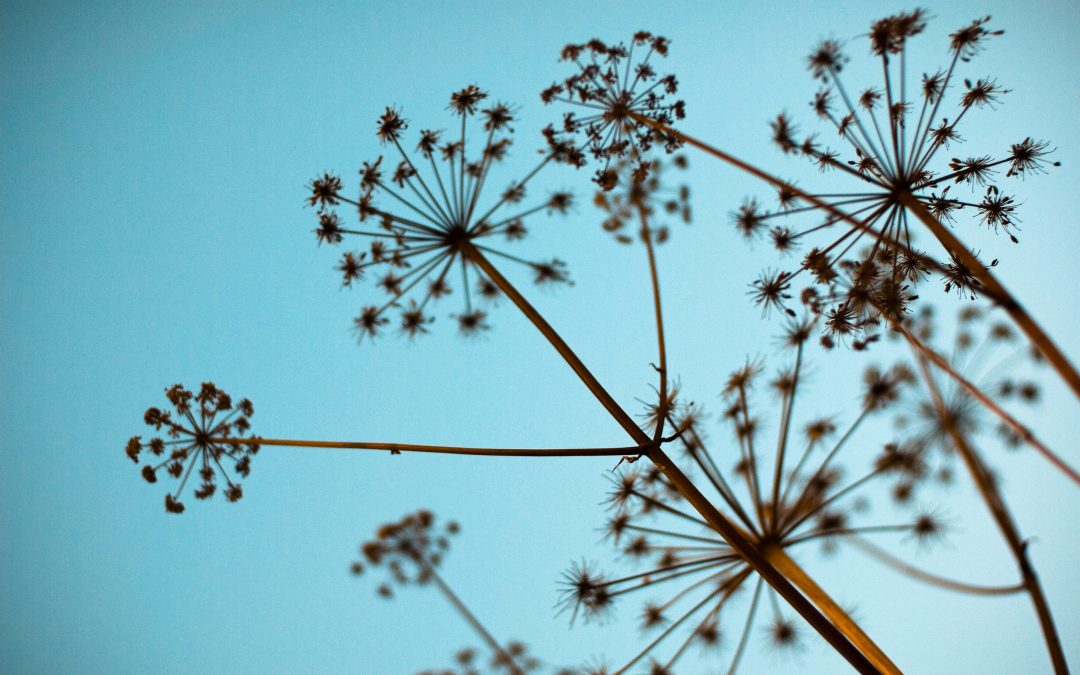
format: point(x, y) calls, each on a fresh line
point(646, 235)
point(927, 577)
point(746, 629)
point(396, 448)
point(472, 620)
point(785, 426)
point(1002, 517)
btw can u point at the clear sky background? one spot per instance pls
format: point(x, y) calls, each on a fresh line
point(153, 231)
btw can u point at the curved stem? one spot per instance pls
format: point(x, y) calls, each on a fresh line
point(728, 530)
point(980, 474)
point(396, 448)
point(929, 578)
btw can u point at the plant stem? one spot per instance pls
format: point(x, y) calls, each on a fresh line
point(1014, 424)
point(661, 411)
point(926, 577)
point(396, 448)
point(980, 474)
point(1007, 301)
point(728, 530)
point(472, 620)
point(790, 569)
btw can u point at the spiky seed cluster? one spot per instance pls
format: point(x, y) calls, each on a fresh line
point(786, 490)
point(196, 442)
point(895, 135)
point(435, 211)
point(612, 84)
point(410, 549)
point(647, 195)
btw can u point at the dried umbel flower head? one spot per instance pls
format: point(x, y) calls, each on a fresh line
point(196, 440)
point(988, 353)
point(785, 490)
point(422, 216)
point(613, 83)
point(893, 143)
point(641, 201)
point(410, 550)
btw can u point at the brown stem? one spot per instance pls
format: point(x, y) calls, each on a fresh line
point(661, 411)
point(472, 620)
point(976, 393)
point(790, 569)
point(926, 577)
point(396, 448)
point(728, 530)
point(980, 474)
point(1007, 301)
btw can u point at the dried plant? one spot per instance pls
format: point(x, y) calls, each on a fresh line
point(893, 161)
point(787, 491)
point(411, 549)
point(950, 422)
point(417, 240)
point(963, 269)
point(646, 198)
point(767, 497)
point(613, 85)
point(468, 662)
point(199, 436)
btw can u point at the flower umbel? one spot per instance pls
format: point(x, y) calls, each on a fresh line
point(895, 137)
point(435, 212)
point(613, 83)
point(648, 196)
point(786, 492)
point(196, 440)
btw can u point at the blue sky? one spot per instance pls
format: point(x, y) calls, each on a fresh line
point(155, 158)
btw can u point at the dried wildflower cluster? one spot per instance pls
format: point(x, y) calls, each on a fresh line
point(785, 491)
point(196, 438)
point(893, 138)
point(636, 202)
point(435, 212)
point(410, 549)
point(612, 83)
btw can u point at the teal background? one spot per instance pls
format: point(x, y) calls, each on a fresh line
point(154, 163)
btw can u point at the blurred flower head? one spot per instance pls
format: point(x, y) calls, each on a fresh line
point(987, 352)
point(648, 197)
point(409, 549)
